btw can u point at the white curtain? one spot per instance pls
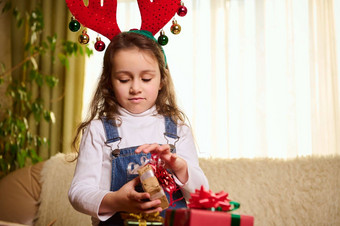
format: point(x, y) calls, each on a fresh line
point(256, 78)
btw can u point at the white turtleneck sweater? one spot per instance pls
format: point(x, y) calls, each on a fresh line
point(92, 177)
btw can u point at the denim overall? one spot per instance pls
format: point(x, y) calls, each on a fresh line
point(125, 161)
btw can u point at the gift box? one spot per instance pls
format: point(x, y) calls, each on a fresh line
point(142, 219)
point(196, 217)
point(151, 185)
point(208, 208)
point(141, 223)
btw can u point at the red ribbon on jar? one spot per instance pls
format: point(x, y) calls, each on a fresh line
point(165, 179)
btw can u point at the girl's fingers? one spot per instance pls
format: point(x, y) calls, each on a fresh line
point(173, 157)
point(138, 196)
point(163, 151)
point(147, 148)
point(164, 147)
point(141, 148)
point(158, 209)
point(145, 206)
point(142, 206)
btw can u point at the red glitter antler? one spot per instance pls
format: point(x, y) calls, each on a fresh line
point(155, 15)
point(101, 19)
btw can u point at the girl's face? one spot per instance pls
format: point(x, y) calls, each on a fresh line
point(136, 79)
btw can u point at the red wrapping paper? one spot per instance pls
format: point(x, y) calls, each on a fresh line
point(197, 217)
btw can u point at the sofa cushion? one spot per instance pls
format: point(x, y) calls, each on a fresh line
point(299, 191)
point(19, 195)
point(55, 208)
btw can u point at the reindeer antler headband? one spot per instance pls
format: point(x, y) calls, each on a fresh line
point(102, 19)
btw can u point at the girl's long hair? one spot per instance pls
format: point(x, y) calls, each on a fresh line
point(104, 102)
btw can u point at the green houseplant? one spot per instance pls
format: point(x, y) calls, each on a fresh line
point(19, 143)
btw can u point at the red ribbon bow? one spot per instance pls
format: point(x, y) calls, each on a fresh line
point(203, 199)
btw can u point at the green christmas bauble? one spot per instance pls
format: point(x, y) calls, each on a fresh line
point(163, 40)
point(74, 25)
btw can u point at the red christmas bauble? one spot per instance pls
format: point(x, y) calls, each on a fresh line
point(182, 11)
point(99, 45)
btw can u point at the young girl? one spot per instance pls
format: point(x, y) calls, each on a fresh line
point(133, 115)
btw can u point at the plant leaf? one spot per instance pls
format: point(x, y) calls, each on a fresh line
point(7, 6)
point(51, 81)
point(34, 63)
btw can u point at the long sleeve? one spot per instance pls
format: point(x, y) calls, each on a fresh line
point(186, 149)
point(88, 186)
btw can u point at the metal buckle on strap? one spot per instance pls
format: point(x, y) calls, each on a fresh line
point(116, 152)
point(172, 146)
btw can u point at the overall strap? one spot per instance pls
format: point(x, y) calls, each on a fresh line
point(170, 128)
point(112, 134)
point(111, 130)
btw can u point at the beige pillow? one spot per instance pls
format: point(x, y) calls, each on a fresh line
point(19, 195)
point(55, 207)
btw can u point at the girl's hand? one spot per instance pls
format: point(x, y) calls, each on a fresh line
point(128, 200)
point(172, 161)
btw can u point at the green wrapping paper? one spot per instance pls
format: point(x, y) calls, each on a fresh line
point(235, 220)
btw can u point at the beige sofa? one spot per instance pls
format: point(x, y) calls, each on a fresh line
point(301, 191)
